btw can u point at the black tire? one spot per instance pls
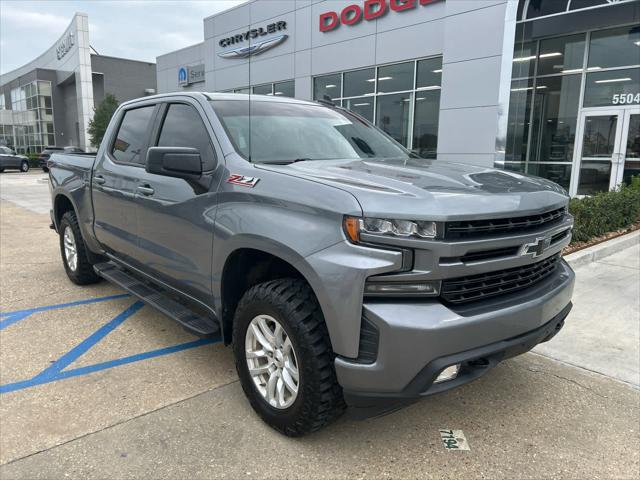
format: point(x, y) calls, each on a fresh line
point(24, 166)
point(83, 273)
point(1, 170)
point(319, 400)
point(45, 169)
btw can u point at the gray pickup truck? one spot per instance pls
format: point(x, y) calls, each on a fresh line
point(344, 270)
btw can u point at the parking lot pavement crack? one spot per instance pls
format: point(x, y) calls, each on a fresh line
point(579, 367)
point(116, 424)
point(546, 372)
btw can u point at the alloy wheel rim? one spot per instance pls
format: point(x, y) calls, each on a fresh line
point(25, 167)
point(272, 361)
point(70, 250)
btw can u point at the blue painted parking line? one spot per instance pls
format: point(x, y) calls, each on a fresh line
point(56, 371)
point(9, 318)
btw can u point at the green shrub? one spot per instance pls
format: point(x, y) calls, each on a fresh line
point(606, 211)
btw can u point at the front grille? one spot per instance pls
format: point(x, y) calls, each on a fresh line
point(480, 228)
point(486, 285)
point(481, 255)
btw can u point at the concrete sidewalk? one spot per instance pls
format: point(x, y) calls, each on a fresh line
point(602, 333)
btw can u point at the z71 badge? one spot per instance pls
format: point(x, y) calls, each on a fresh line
point(243, 181)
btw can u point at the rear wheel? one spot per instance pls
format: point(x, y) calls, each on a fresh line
point(24, 166)
point(284, 358)
point(74, 252)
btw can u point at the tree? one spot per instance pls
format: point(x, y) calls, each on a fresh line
point(101, 118)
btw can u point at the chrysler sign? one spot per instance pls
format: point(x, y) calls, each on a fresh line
point(189, 75)
point(369, 10)
point(255, 43)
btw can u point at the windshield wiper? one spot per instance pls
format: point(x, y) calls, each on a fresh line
point(288, 162)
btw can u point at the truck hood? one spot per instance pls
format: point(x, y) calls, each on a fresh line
point(430, 189)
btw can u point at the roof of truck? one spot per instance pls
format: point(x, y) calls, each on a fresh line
point(256, 98)
point(223, 96)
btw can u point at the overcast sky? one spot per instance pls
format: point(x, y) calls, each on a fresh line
point(136, 29)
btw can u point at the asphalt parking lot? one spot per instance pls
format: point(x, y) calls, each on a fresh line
point(93, 384)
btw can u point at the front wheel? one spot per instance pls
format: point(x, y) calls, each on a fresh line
point(74, 252)
point(24, 166)
point(284, 357)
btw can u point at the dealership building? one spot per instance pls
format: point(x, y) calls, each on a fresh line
point(50, 100)
point(548, 87)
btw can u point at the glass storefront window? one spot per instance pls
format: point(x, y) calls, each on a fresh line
point(615, 87)
point(518, 122)
point(263, 89)
point(556, 102)
point(418, 105)
point(285, 89)
point(619, 47)
point(359, 82)
point(556, 172)
point(561, 55)
point(541, 8)
point(395, 78)
point(524, 59)
point(393, 115)
point(362, 106)
point(44, 88)
point(429, 75)
point(329, 85)
point(425, 123)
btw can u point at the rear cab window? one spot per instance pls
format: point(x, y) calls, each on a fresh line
point(131, 138)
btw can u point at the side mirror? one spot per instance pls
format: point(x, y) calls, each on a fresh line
point(176, 162)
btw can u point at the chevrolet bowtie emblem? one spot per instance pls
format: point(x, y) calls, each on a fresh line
point(254, 49)
point(537, 248)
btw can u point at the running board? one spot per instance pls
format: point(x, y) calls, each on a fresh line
point(199, 325)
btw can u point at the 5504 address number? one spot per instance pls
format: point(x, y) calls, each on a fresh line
point(625, 98)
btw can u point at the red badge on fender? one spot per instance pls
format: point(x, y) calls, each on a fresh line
point(243, 181)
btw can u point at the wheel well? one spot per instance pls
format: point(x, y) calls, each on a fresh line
point(61, 206)
point(244, 269)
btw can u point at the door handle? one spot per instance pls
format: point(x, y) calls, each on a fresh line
point(99, 180)
point(145, 190)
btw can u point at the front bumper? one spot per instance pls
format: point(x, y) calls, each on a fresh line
point(417, 340)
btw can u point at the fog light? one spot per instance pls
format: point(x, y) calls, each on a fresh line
point(448, 373)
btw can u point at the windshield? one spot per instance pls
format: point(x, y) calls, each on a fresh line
point(272, 132)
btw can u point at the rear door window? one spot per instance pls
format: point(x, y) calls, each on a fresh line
point(183, 127)
point(131, 139)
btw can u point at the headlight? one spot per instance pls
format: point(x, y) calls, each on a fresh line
point(354, 226)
